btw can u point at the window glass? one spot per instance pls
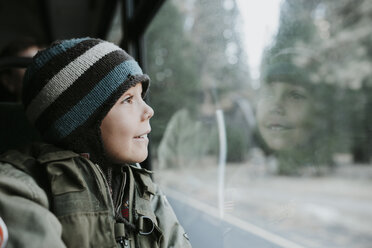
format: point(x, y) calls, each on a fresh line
point(115, 33)
point(261, 134)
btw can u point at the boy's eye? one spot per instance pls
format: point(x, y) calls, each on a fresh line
point(297, 95)
point(128, 99)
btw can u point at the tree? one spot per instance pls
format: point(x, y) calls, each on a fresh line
point(171, 65)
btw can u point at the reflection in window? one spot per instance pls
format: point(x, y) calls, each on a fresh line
point(115, 33)
point(296, 114)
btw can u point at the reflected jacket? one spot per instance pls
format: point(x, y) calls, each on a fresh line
point(57, 198)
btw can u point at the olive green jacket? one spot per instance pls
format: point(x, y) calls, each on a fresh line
point(55, 198)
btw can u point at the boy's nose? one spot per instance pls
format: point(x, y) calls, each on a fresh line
point(277, 109)
point(148, 113)
point(277, 106)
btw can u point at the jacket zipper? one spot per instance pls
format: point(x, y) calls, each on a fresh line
point(123, 242)
point(131, 203)
point(121, 193)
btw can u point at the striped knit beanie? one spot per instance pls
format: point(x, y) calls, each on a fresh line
point(72, 85)
point(284, 66)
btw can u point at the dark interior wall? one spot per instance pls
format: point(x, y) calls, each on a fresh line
point(72, 18)
point(20, 18)
point(69, 18)
point(48, 20)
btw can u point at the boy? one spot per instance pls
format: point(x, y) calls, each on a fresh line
point(291, 112)
point(85, 96)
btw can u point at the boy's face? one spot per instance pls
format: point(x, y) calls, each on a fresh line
point(124, 129)
point(284, 115)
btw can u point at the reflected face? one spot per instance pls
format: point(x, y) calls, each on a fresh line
point(284, 115)
point(125, 128)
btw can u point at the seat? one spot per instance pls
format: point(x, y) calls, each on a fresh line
point(15, 129)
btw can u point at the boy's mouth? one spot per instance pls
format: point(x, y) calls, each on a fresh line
point(278, 127)
point(143, 136)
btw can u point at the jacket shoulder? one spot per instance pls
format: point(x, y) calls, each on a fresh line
point(22, 173)
point(23, 203)
point(16, 182)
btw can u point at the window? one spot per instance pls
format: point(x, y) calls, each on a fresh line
point(262, 125)
point(115, 33)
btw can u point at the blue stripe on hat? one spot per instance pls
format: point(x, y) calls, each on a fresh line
point(96, 97)
point(54, 51)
